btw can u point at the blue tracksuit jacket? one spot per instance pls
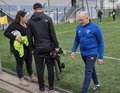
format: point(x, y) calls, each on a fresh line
point(90, 39)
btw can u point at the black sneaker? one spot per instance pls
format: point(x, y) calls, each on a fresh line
point(95, 87)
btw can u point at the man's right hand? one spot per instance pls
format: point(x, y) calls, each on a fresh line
point(33, 51)
point(100, 61)
point(18, 39)
point(72, 55)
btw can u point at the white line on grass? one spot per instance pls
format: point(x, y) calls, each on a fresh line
point(110, 22)
point(65, 32)
point(74, 29)
point(113, 58)
point(114, 27)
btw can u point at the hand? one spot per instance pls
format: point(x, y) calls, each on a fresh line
point(33, 51)
point(57, 49)
point(18, 39)
point(100, 61)
point(72, 55)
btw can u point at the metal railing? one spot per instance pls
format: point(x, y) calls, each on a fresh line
point(8, 9)
point(70, 11)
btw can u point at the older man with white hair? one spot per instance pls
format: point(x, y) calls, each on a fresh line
point(89, 36)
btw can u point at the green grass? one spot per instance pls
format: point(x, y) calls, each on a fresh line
point(4, 91)
point(73, 75)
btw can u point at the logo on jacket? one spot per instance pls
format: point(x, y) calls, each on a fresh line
point(92, 58)
point(87, 31)
point(46, 20)
point(79, 31)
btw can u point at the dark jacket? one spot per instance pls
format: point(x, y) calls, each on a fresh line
point(15, 26)
point(100, 13)
point(42, 30)
point(113, 12)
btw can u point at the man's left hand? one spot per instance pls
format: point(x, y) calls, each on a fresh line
point(100, 61)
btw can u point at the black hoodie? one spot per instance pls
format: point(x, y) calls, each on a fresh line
point(42, 30)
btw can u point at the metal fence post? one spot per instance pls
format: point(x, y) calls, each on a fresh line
point(109, 12)
point(57, 15)
point(65, 14)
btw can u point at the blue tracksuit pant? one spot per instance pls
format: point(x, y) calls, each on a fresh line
point(90, 72)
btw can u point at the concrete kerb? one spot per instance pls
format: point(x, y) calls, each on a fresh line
point(15, 86)
point(46, 85)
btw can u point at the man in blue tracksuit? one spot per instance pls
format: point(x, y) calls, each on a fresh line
point(89, 36)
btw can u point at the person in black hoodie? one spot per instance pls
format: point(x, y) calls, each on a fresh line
point(100, 16)
point(45, 41)
point(14, 32)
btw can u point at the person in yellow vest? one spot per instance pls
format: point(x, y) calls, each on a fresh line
point(113, 14)
point(18, 33)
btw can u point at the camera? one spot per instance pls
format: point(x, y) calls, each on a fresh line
point(56, 57)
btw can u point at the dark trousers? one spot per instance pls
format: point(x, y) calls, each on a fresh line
point(99, 19)
point(90, 72)
point(20, 61)
point(40, 65)
point(114, 17)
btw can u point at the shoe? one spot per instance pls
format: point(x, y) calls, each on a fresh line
point(42, 90)
point(95, 87)
point(51, 90)
point(23, 82)
point(32, 78)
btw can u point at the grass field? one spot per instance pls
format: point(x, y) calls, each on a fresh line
point(72, 76)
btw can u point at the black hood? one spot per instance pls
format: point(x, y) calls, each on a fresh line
point(37, 16)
